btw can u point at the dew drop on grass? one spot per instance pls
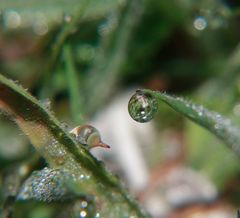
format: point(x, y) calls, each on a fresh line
point(56, 152)
point(83, 213)
point(84, 204)
point(84, 208)
point(200, 23)
point(142, 106)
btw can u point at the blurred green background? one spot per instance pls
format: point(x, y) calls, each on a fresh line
point(76, 56)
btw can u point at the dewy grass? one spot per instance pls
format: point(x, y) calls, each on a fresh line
point(61, 152)
point(214, 122)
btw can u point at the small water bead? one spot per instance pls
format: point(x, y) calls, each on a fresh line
point(200, 23)
point(83, 214)
point(84, 204)
point(56, 151)
point(84, 208)
point(142, 106)
point(12, 19)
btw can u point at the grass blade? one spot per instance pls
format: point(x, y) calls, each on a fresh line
point(221, 127)
point(61, 151)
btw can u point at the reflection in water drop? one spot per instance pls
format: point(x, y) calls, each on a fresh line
point(83, 213)
point(142, 107)
point(200, 23)
point(84, 204)
point(12, 19)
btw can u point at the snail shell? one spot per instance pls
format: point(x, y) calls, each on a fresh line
point(89, 136)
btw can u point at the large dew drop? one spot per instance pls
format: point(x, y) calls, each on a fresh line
point(142, 106)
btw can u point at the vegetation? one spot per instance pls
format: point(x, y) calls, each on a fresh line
point(75, 58)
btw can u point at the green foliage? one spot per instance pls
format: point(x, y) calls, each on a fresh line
point(75, 56)
point(212, 121)
point(60, 151)
point(206, 152)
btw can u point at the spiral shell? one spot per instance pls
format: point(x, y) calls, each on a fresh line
point(89, 136)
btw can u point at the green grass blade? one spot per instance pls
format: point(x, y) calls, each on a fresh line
point(220, 126)
point(62, 152)
point(73, 85)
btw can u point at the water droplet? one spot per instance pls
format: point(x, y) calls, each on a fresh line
point(200, 23)
point(12, 19)
point(46, 103)
point(84, 204)
point(83, 213)
point(60, 160)
point(142, 107)
point(81, 176)
point(56, 151)
point(84, 208)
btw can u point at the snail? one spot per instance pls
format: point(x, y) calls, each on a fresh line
point(89, 136)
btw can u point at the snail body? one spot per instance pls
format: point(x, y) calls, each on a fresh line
point(89, 136)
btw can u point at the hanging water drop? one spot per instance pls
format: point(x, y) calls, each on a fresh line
point(142, 106)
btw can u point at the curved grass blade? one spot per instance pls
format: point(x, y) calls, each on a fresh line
point(220, 126)
point(61, 151)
